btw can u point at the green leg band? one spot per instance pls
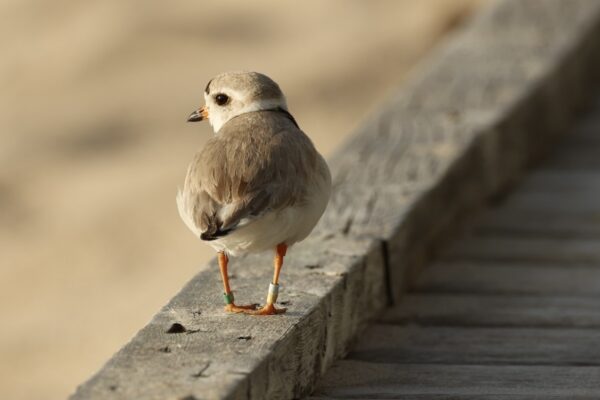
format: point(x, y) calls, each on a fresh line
point(228, 298)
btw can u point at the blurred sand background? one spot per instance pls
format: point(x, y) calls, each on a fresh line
point(93, 145)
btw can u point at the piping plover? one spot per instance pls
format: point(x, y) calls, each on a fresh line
point(258, 184)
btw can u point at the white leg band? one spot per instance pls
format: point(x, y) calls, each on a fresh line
point(273, 292)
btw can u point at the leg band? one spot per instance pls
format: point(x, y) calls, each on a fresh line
point(228, 298)
point(273, 292)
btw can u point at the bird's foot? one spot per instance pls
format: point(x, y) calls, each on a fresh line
point(249, 308)
point(268, 309)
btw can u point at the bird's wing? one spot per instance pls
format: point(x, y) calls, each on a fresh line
point(250, 168)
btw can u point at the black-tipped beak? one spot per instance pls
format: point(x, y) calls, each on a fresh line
point(198, 115)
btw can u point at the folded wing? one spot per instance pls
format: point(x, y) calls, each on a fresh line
point(256, 164)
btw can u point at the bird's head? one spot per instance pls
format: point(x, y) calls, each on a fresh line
point(234, 93)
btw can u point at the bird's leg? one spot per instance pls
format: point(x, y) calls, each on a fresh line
point(228, 294)
point(269, 308)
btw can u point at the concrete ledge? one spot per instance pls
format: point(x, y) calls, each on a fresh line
point(481, 108)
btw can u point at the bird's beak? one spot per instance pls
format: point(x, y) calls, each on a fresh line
point(198, 115)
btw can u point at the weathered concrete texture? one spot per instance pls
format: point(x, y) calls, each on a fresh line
point(521, 313)
point(484, 107)
point(212, 354)
point(479, 110)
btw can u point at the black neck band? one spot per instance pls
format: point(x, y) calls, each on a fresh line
point(286, 113)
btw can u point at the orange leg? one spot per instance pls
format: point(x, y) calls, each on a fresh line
point(269, 308)
point(228, 294)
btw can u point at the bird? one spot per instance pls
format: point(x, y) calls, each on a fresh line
point(258, 184)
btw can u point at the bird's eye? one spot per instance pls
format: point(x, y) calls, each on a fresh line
point(221, 99)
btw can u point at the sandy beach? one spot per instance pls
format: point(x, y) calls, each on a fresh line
point(94, 143)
